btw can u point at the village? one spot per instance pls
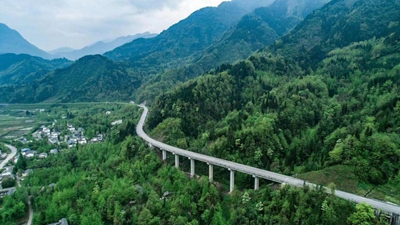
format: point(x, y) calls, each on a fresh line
point(69, 137)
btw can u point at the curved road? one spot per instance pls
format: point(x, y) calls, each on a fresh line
point(268, 175)
point(10, 156)
point(2, 164)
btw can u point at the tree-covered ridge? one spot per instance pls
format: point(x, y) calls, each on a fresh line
point(92, 78)
point(267, 112)
point(254, 31)
point(22, 69)
point(181, 40)
point(338, 24)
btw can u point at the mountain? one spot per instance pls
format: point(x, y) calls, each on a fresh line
point(338, 24)
point(89, 79)
point(61, 50)
point(250, 5)
point(12, 42)
point(99, 47)
point(254, 31)
point(22, 69)
point(335, 113)
point(173, 46)
point(258, 30)
point(237, 39)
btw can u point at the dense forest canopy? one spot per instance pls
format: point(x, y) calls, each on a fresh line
point(267, 111)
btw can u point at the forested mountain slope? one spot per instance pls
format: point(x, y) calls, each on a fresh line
point(22, 69)
point(338, 24)
point(12, 42)
point(91, 78)
point(125, 182)
point(254, 31)
point(181, 40)
point(268, 112)
point(257, 30)
point(199, 43)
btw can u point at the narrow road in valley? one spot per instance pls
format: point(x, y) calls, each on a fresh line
point(30, 210)
point(2, 164)
point(268, 175)
point(10, 156)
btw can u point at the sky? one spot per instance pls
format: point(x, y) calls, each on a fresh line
point(51, 24)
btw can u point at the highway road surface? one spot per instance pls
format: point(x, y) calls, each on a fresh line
point(268, 175)
point(9, 157)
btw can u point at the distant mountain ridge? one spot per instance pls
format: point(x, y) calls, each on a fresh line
point(91, 78)
point(12, 42)
point(99, 47)
point(22, 68)
point(61, 50)
point(192, 35)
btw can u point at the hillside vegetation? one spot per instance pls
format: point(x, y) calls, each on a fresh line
point(254, 31)
point(206, 39)
point(23, 69)
point(92, 78)
point(273, 113)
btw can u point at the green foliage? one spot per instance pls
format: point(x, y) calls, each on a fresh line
point(21, 163)
point(253, 31)
point(91, 78)
point(13, 207)
point(8, 183)
point(115, 189)
point(364, 215)
point(336, 25)
point(266, 112)
point(23, 69)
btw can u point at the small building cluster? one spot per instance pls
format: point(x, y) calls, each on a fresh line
point(7, 173)
point(98, 138)
point(45, 132)
point(75, 136)
point(28, 153)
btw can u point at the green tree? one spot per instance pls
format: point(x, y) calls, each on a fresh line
point(364, 215)
point(21, 163)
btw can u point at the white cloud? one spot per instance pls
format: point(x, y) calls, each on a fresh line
point(77, 23)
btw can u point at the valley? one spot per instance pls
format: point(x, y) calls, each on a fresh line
point(257, 112)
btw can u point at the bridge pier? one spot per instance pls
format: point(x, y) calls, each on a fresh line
point(394, 219)
point(211, 172)
point(150, 145)
point(232, 183)
point(256, 183)
point(164, 155)
point(191, 167)
point(176, 161)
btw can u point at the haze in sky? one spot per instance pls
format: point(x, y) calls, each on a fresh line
point(78, 23)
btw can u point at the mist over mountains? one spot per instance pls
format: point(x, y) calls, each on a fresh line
point(98, 48)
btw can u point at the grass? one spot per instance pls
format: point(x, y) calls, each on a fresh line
point(342, 176)
point(346, 180)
